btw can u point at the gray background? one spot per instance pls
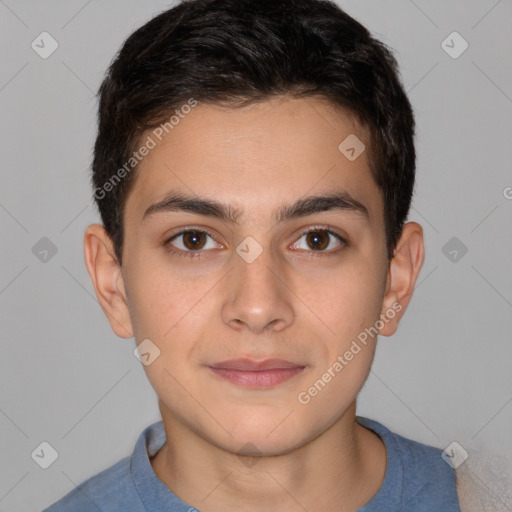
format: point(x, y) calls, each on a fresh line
point(68, 380)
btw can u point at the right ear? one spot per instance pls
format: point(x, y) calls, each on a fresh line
point(107, 279)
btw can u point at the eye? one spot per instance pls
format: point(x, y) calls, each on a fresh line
point(320, 240)
point(190, 241)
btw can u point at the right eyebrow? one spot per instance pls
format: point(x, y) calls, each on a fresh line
point(201, 206)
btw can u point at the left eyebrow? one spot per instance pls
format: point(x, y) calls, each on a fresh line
point(341, 200)
point(177, 202)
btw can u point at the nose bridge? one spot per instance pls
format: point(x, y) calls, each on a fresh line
point(257, 297)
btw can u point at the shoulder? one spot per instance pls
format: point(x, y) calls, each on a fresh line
point(418, 474)
point(108, 491)
point(427, 476)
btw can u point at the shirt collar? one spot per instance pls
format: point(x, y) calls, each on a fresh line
point(153, 493)
point(157, 497)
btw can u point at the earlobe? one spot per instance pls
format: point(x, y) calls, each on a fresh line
point(107, 279)
point(403, 272)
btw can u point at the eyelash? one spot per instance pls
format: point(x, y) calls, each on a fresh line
point(197, 254)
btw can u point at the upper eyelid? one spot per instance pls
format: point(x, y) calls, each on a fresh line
point(330, 231)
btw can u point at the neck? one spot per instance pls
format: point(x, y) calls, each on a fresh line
point(340, 470)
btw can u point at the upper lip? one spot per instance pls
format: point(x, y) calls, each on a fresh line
point(254, 365)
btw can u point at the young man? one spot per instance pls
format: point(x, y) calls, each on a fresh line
point(253, 169)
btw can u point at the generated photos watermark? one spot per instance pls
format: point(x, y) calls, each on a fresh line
point(150, 143)
point(305, 397)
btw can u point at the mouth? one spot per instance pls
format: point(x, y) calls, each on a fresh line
point(256, 374)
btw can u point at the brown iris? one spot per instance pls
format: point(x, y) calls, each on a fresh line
point(317, 239)
point(194, 240)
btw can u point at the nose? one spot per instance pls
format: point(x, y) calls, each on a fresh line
point(257, 297)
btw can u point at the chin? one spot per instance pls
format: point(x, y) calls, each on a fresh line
point(266, 435)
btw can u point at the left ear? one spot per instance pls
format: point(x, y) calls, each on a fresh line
point(403, 272)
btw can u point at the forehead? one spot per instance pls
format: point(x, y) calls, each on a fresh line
point(257, 157)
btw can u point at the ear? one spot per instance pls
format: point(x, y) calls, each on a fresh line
point(403, 271)
point(107, 279)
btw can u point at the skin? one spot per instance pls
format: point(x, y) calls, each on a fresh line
point(293, 302)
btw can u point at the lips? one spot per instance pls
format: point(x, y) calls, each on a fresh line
point(253, 365)
point(256, 374)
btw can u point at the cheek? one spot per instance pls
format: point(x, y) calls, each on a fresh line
point(350, 306)
point(346, 299)
point(174, 311)
point(162, 300)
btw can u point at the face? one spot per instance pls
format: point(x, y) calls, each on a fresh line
point(254, 256)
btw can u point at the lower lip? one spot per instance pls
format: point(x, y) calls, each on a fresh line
point(257, 378)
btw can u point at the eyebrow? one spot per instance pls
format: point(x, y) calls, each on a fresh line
point(179, 202)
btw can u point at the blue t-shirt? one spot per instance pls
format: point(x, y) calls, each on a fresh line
point(416, 480)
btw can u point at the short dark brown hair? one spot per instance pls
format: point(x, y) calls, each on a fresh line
point(235, 52)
